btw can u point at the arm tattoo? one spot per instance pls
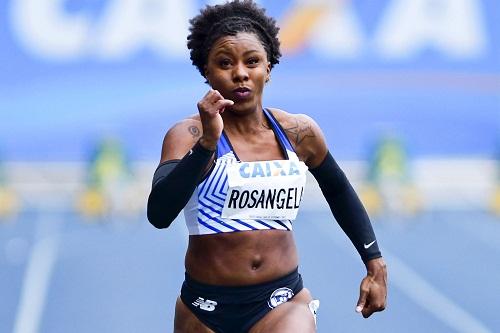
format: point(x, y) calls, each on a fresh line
point(195, 131)
point(299, 131)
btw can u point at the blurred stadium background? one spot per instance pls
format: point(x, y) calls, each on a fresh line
point(406, 91)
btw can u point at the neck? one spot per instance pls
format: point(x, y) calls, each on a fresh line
point(244, 123)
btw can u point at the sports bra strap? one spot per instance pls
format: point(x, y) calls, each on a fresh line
point(223, 146)
point(280, 133)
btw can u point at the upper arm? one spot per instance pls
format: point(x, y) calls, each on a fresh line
point(305, 135)
point(180, 138)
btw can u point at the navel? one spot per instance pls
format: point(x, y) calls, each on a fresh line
point(256, 263)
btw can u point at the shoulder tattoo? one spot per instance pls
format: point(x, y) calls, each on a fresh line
point(299, 131)
point(194, 131)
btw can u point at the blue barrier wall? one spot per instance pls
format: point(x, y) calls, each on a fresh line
point(75, 70)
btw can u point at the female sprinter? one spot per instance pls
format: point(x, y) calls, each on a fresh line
point(238, 171)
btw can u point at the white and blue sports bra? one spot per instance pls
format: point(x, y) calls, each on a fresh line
point(246, 196)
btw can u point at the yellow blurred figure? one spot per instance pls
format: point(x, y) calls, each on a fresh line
point(9, 203)
point(371, 199)
point(412, 199)
point(92, 203)
point(495, 202)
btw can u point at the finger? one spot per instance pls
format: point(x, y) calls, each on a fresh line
point(210, 97)
point(215, 102)
point(373, 305)
point(218, 94)
point(371, 309)
point(214, 96)
point(367, 311)
point(222, 104)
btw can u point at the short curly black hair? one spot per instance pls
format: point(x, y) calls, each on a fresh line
point(229, 19)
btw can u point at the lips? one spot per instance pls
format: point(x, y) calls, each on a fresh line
point(242, 92)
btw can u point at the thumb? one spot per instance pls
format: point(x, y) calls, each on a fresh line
point(363, 294)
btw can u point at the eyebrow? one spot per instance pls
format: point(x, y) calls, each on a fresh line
point(250, 51)
point(223, 51)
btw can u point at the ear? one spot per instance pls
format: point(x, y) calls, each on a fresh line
point(205, 71)
point(268, 76)
point(205, 74)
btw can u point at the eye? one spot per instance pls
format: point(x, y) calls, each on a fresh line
point(253, 61)
point(224, 63)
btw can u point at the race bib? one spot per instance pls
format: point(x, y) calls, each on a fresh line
point(264, 189)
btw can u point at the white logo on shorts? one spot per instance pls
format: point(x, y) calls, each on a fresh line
point(205, 304)
point(279, 296)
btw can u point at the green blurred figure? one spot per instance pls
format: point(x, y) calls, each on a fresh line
point(389, 185)
point(108, 184)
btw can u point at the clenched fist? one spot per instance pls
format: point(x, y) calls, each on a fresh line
point(211, 106)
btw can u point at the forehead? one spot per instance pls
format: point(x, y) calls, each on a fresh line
point(241, 42)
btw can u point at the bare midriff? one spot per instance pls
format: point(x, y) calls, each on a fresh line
point(241, 258)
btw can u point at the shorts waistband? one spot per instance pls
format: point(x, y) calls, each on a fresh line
point(286, 279)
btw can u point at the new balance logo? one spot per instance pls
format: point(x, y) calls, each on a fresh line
point(205, 304)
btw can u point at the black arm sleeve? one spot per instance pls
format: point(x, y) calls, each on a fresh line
point(173, 184)
point(346, 207)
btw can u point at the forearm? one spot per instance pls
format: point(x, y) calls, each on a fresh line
point(173, 185)
point(347, 208)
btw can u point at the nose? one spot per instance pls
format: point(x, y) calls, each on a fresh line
point(240, 73)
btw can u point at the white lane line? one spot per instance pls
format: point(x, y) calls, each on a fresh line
point(429, 298)
point(36, 282)
point(420, 291)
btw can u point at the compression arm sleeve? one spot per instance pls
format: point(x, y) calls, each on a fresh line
point(173, 184)
point(346, 207)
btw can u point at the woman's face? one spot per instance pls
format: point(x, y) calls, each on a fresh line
point(238, 68)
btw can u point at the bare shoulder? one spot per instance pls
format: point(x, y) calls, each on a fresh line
point(189, 125)
point(180, 138)
point(298, 127)
point(304, 134)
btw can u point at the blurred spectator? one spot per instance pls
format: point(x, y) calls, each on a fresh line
point(109, 190)
point(389, 186)
point(9, 202)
